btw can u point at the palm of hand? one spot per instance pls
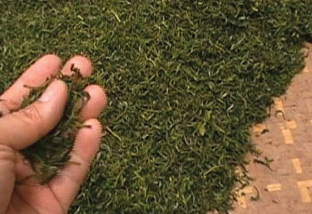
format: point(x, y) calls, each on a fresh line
point(35, 199)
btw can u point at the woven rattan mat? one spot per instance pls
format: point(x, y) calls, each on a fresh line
point(286, 137)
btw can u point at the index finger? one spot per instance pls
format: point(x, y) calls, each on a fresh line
point(45, 67)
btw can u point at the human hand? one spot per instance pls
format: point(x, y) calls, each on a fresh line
point(24, 127)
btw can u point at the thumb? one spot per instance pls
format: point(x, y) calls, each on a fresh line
point(24, 127)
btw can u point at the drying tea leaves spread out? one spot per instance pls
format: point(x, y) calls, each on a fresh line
point(185, 80)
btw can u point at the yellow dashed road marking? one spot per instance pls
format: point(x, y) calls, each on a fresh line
point(304, 190)
point(291, 124)
point(241, 196)
point(306, 69)
point(288, 139)
point(274, 187)
point(297, 165)
point(259, 128)
point(278, 105)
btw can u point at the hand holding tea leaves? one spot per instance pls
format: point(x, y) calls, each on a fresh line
point(47, 182)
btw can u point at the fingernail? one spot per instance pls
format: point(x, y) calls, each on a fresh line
point(49, 93)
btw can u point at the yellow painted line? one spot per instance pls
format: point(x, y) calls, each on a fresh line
point(297, 165)
point(274, 187)
point(259, 128)
point(288, 139)
point(278, 105)
point(306, 69)
point(241, 199)
point(291, 124)
point(304, 190)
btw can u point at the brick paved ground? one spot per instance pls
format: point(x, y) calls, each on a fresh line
point(287, 188)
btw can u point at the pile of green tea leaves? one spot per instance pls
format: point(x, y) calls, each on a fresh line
point(186, 79)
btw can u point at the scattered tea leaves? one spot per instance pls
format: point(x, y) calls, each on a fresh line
point(266, 162)
point(257, 197)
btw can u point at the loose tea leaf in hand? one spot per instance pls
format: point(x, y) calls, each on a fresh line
point(52, 151)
